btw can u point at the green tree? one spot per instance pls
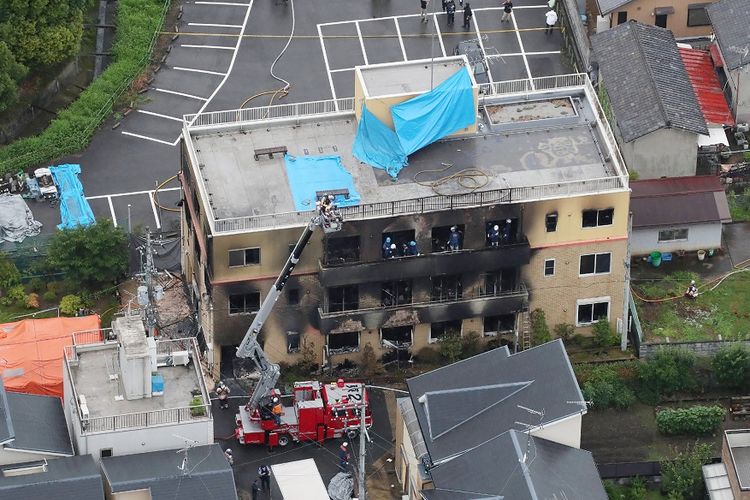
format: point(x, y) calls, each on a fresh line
point(539, 329)
point(450, 348)
point(11, 73)
point(70, 304)
point(9, 275)
point(682, 477)
point(89, 256)
point(731, 365)
point(603, 334)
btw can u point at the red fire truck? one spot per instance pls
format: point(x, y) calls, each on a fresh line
point(318, 411)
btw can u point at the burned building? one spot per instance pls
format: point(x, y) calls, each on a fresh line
point(536, 193)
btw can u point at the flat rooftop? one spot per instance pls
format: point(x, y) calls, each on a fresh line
point(413, 76)
point(739, 449)
point(530, 146)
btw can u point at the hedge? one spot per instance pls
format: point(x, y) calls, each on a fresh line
point(138, 24)
point(696, 420)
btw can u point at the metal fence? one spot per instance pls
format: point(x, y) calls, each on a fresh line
point(152, 418)
point(527, 85)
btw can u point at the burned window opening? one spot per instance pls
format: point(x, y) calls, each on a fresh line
point(343, 298)
point(397, 244)
point(292, 342)
point(341, 250)
point(443, 238)
point(443, 329)
point(499, 325)
point(500, 281)
point(395, 293)
point(340, 343)
point(446, 287)
point(400, 336)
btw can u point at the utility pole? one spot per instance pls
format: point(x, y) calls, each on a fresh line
point(148, 294)
point(362, 437)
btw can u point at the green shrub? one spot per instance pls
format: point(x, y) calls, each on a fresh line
point(731, 365)
point(605, 386)
point(14, 295)
point(9, 275)
point(37, 285)
point(564, 331)
point(70, 304)
point(196, 407)
point(471, 345)
point(669, 371)
point(539, 329)
point(450, 348)
point(49, 296)
point(72, 129)
point(682, 477)
point(604, 336)
point(696, 420)
point(428, 355)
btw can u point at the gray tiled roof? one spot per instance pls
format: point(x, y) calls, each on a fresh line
point(6, 424)
point(646, 81)
point(607, 6)
point(30, 413)
point(730, 19)
point(519, 467)
point(210, 475)
point(461, 405)
point(680, 200)
point(65, 478)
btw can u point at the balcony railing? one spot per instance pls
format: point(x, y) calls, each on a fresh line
point(144, 419)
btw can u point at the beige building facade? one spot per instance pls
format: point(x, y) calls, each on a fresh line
point(685, 18)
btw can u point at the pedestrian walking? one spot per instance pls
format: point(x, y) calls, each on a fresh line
point(468, 14)
point(423, 9)
point(344, 457)
point(451, 11)
point(255, 490)
point(445, 5)
point(229, 457)
point(265, 477)
point(551, 18)
point(223, 392)
point(507, 10)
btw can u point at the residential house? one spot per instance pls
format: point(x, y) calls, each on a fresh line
point(731, 53)
point(135, 394)
point(194, 473)
point(684, 18)
point(497, 425)
point(730, 479)
point(677, 214)
point(657, 119)
point(32, 428)
point(561, 191)
point(75, 477)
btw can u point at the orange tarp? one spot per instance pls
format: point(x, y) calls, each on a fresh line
point(32, 351)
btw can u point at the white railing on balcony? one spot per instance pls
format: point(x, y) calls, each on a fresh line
point(237, 117)
point(529, 85)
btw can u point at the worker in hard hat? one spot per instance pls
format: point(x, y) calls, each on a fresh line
point(494, 236)
point(277, 410)
point(223, 392)
point(386, 247)
point(344, 456)
point(229, 456)
point(692, 291)
point(507, 230)
point(454, 240)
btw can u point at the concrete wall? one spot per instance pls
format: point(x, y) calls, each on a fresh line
point(708, 348)
point(739, 80)
point(566, 431)
point(700, 237)
point(662, 153)
point(8, 456)
point(406, 462)
point(643, 11)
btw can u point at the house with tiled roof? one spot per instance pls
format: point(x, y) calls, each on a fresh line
point(684, 18)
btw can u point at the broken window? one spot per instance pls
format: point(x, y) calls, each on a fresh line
point(400, 336)
point(503, 280)
point(339, 343)
point(292, 296)
point(292, 342)
point(341, 250)
point(244, 303)
point(595, 218)
point(343, 298)
point(498, 325)
point(395, 293)
point(550, 222)
point(444, 329)
point(504, 234)
point(441, 236)
point(399, 238)
point(446, 287)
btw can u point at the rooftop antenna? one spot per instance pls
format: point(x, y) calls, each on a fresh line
point(189, 443)
point(529, 427)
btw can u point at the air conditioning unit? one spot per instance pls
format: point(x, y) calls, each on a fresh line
point(81, 399)
point(180, 358)
point(84, 412)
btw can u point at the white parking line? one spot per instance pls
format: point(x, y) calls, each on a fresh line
point(481, 47)
point(211, 25)
point(328, 68)
point(400, 39)
point(218, 47)
point(182, 94)
point(112, 210)
point(193, 70)
point(139, 136)
point(341, 70)
point(514, 8)
point(439, 34)
point(361, 42)
point(153, 209)
point(228, 4)
point(546, 53)
point(159, 115)
point(523, 52)
point(131, 193)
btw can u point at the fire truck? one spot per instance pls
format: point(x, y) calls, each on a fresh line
point(318, 411)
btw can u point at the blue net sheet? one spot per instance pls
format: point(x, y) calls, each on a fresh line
point(74, 209)
point(420, 121)
point(310, 174)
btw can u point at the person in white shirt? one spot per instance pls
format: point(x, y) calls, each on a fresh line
point(551, 17)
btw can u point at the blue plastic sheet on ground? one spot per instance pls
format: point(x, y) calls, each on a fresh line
point(420, 121)
point(446, 109)
point(378, 145)
point(310, 174)
point(74, 209)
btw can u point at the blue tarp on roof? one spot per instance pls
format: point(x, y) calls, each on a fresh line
point(310, 174)
point(420, 121)
point(74, 209)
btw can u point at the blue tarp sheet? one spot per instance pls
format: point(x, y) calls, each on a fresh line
point(309, 174)
point(74, 209)
point(420, 121)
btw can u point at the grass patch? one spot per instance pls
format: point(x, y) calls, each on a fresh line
point(723, 312)
point(739, 205)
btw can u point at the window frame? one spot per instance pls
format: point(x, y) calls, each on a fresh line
point(672, 230)
point(695, 7)
point(357, 349)
point(599, 216)
point(554, 268)
point(352, 306)
point(289, 348)
point(596, 259)
point(495, 333)
point(619, 14)
point(431, 340)
point(229, 303)
point(244, 257)
point(592, 301)
point(407, 344)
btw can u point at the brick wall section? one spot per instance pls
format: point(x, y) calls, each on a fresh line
point(698, 348)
